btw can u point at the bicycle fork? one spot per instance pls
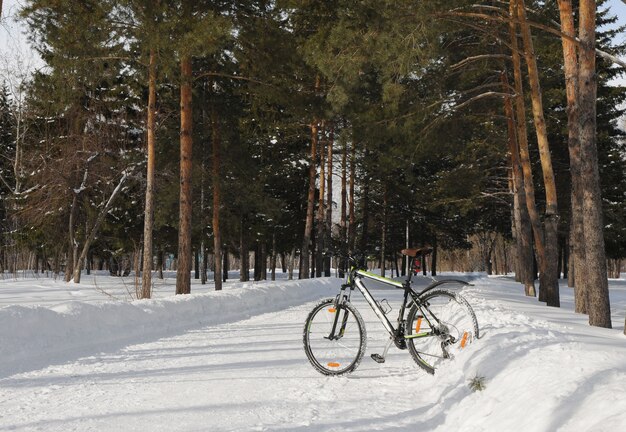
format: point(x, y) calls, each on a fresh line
point(336, 334)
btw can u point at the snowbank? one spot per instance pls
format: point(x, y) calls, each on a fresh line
point(544, 369)
point(35, 336)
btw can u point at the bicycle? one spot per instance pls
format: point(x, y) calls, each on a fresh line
point(439, 324)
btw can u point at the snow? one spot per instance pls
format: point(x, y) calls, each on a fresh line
point(74, 358)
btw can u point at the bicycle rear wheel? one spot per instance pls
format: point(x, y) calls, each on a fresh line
point(344, 352)
point(443, 325)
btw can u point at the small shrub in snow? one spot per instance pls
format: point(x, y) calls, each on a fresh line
point(478, 383)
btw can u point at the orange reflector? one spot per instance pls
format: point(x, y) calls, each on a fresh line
point(332, 310)
point(333, 364)
point(464, 339)
point(418, 324)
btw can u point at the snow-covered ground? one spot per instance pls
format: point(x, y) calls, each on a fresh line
point(83, 357)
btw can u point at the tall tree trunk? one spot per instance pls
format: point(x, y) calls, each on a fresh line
point(365, 217)
point(566, 260)
point(136, 261)
point(576, 224)
point(273, 257)
point(257, 261)
point(148, 222)
point(329, 201)
point(308, 227)
point(217, 238)
point(549, 284)
point(352, 216)
point(320, 219)
point(244, 273)
point(160, 263)
point(183, 271)
point(73, 247)
point(383, 234)
point(405, 259)
point(343, 223)
point(226, 265)
point(292, 259)
point(204, 265)
point(597, 289)
point(433, 261)
point(523, 234)
point(522, 137)
point(203, 262)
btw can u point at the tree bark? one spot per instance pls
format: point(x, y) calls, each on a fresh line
point(549, 284)
point(292, 259)
point(148, 224)
point(73, 247)
point(365, 217)
point(308, 227)
point(328, 229)
point(383, 234)
point(183, 272)
point(244, 273)
point(573, 143)
point(433, 261)
point(273, 257)
point(94, 230)
point(320, 219)
point(215, 176)
point(225, 265)
point(522, 226)
point(597, 289)
point(160, 263)
point(352, 216)
point(343, 223)
point(522, 136)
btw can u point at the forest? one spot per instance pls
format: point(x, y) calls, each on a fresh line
point(202, 136)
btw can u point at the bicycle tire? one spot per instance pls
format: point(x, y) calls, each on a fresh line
point(337, 357)
point(432, 343)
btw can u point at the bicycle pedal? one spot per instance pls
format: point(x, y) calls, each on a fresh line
point(378, 358)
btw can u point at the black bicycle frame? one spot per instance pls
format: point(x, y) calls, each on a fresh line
point(357, 280)
point(356, 277)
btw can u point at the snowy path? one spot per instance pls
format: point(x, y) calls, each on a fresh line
point(541, 375)
point(248, 375)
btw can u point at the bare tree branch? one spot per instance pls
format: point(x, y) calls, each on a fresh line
point(478, 58)
point(481, 96)
point(94, 229)
point(7, 184)
point(543, 27)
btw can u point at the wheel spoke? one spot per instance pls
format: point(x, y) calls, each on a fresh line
point(453, 326)
point(340, 355)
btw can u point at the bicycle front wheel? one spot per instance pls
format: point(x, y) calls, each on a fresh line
point(334, 338)
point(442, 325)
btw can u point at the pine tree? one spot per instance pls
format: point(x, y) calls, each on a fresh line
point(597, 290)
